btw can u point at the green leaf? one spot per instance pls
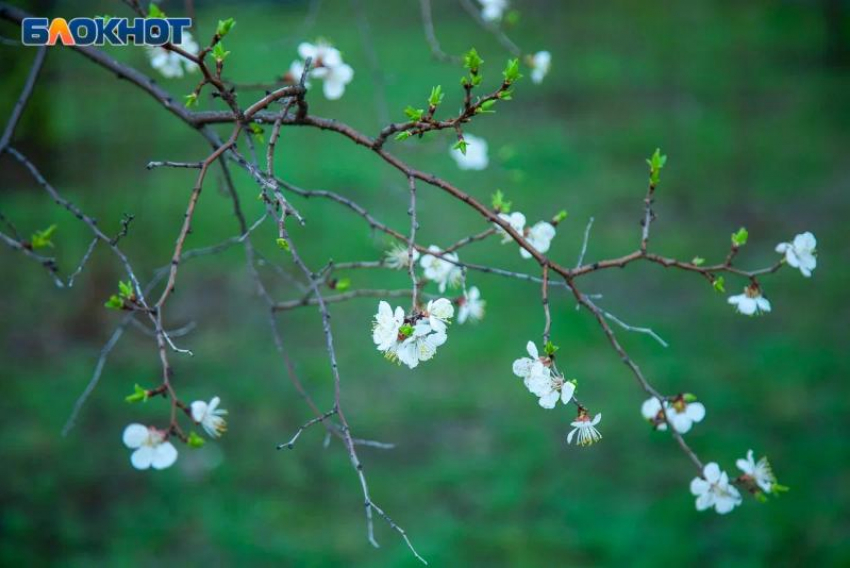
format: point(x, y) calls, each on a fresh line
point(402, 135)
point(195, 441)
point(43, 239)
point(114, 303)
point(739, 238)
point(562, 214)
point(486, 107)
point(472, 61)
point(689, 397)
point(511, 72)
point(550, 348)
point(436, 96)
point(461, 145)
point(224, 27)
point(776, 488)
point(154, 11)
point(719, 284)
point(760, 497)
point(656, 163)
point(477, 79)
point(506, 95)
point(343, 284)
point(257, 132)
point(191, 100)
point(406, 330)
point(414, 114)
point(698, 261)
point(282, 243)
point(219, 53)
point(125, 289)
point(499, 203)
point(139, 395)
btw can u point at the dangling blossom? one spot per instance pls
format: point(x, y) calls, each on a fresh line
point(751, 302)
point(172, 64)
point(386, 326)
point(209, 416)
point(326, 64)
point(470, 306)
point(801, 253)
point(399, 257)
point(493, 10)
point(441, 269)
point(682, 414)
point(151, 447)
point(714, 490)
point(420, 346)
point(540, 64)
point(475, 157)
point(540, 380)
point(439, 312)
point(759, 472)
point(586, 429)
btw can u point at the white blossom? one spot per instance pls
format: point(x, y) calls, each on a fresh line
point(172, 64)
point(760, 471)
point(471, 306)
point(420, 346)
point(386, 326)
point(540, 237)
point(801, 253)
point(751, 302)
point(440, 269)
point(398, 257)
point(541, 62)
point(714, 490)
point(327, 65)
point(439, 313)
point(539, 379)
point(492, 10)
point(586, 429)
point(151, 447)
point(209, 416)
point(517, 222)
point(682, 414)
point(475, 157)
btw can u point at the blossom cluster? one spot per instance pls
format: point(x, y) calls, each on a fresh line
point(410, 340)
point(715, 489)
point(682, 412)
point(326, 65)
point(539, 235)
point(152, 447)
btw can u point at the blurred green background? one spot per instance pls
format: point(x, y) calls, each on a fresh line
point(748, 99)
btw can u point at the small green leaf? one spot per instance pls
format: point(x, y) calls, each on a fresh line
point(776, 488)
point(43, 239)
point(343, 284)
point(114, 303)
point(472, 61)
point(414, 114)
point(506, 95)
point(283, 243)
point(139, 395)
point(154, 11)
point(257, 132)
point(436, 96)
point(125, 289)
point(406, 330)
point(656, 163)
point(760, 497)
point(219, 53)
point(461, 145)
point(499, 203)
point(224, 27)
point(562, 214)
point(486, 107)
point(689, 397)
point(550, 348)
point(698, 261)
point(191, 100)
point(739, 238)
point(402, 135)
point(477, 79)
point(719, 284)
point(195, 441)
point(511, 72)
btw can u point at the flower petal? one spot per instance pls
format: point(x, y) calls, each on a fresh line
point(164, 455)
point(135, 435)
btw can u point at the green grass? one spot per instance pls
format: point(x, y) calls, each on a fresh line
point(755, 126)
